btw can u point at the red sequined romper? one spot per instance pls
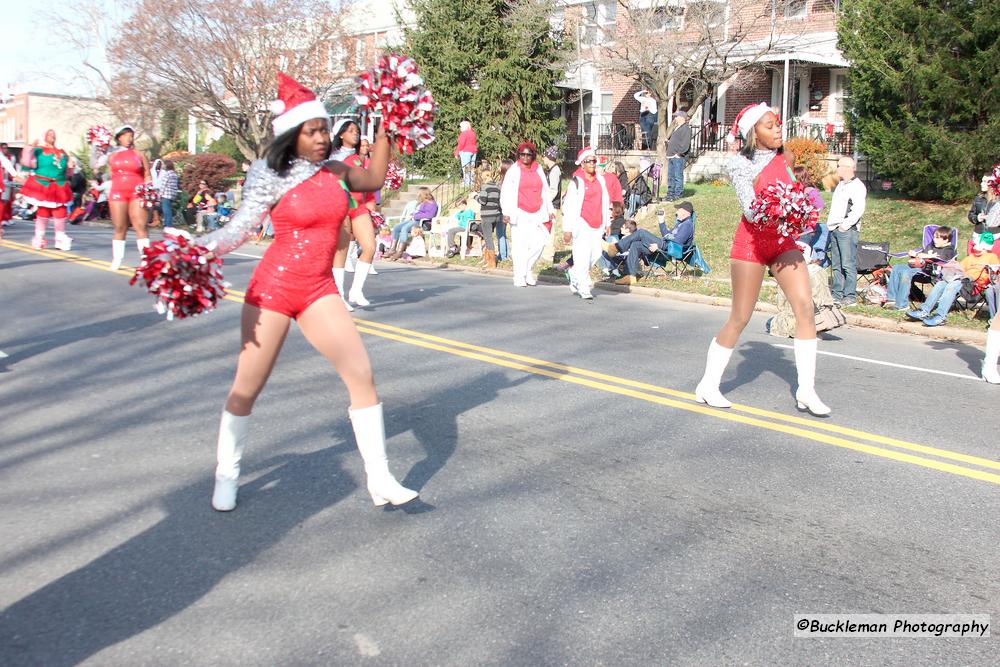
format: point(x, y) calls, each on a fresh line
point(295, 270)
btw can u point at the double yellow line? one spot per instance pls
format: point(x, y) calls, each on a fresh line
point(942, 460)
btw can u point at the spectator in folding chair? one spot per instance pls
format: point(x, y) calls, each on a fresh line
point(643, 245)
point(953, 276)
point(901, 277)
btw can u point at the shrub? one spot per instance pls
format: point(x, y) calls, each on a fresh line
point(810, 154)
point(211, 167)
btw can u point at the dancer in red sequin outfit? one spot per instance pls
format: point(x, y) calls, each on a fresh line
point(307, 197)
point(759, 164)
point(129, 168)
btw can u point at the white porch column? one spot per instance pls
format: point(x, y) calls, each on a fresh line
point(784, 103)
point(192, 135)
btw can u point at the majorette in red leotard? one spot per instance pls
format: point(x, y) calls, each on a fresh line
point(763, 245)
point(295, 270)
point(126, 173)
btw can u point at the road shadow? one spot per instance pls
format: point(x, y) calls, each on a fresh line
point(972, 356)
point(757, 358)
point(158, 573)
point(20, 349)
point(173, 564)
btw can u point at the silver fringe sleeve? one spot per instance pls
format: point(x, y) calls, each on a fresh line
point(261, 191)
point(742, 173)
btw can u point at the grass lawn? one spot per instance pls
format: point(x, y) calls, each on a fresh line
point(887, 218)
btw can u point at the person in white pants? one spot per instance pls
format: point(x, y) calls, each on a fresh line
point(586, 219)
point(527, 205)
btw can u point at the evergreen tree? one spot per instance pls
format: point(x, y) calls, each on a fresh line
point(491, 62)
point(925, 89)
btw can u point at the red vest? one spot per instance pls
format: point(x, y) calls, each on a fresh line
point(529, 189)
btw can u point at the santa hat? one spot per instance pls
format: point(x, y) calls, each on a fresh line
point(295, 105)
point(746, 119)
point(584, 154)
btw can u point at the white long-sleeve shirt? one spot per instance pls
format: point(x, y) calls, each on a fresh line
point(646, 102)
point(848, 205)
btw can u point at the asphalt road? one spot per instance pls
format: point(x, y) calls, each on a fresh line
point(580, 507)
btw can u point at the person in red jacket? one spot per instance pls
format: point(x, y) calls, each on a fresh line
point(466, 150)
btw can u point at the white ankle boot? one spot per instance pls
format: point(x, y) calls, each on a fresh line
point(140, 245)
point(117, 254)
point(356, 295)
point(232, 439)
point(990, 373)
point(63, 240)
point(707, 390)
point(338, 278)
point(369, 431)
point(805, 363)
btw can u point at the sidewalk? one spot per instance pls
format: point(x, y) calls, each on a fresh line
point(972, 337)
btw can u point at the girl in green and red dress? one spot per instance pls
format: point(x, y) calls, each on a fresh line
point(48, 189)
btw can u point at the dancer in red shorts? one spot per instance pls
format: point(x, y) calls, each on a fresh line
point(48, 189)
point(759, 163)
point(346, 138)
point(306, 195)
point(129, 168)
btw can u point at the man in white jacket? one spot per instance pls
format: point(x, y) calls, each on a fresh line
point(846, 209)
point(586, 219)
point(527, 207)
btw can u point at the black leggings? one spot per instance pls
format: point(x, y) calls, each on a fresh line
point(488, 225)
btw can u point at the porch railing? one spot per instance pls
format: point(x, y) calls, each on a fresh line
point(838, 141)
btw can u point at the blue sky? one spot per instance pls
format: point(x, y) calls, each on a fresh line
point(29, 59)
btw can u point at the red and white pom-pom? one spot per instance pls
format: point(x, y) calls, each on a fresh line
point(182, 276)
point(993, 182)
point(394, 89)
point(394, 176)
point(377, 219)
point(149, 195)
point(784, 207)
point(99, 136)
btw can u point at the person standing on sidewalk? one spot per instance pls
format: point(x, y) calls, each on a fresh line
point(466, 151)
point(527, 208)
point(169, 187)
point(846, 209)
point(490, 216)
point(678, 147)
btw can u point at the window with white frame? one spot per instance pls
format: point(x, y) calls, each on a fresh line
point(670, 17)
point(707, 13)
point(359, 53)
point(795, 9)
point(337, 57)
point(598, 19)
point(839, 95)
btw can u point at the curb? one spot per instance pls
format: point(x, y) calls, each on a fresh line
point(942, 333)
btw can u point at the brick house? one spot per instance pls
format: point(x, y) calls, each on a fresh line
point(803, 74)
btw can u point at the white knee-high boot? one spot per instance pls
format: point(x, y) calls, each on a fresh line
point(805, 364)
point(117, 254)
point(990, 373)
point(232, 439)
point(140, 245)
point(707, 390)
point(357, 295)
point(38, 241)
point(338, 278)
point(63, 240)
point(369, 431)
point(352, 257)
